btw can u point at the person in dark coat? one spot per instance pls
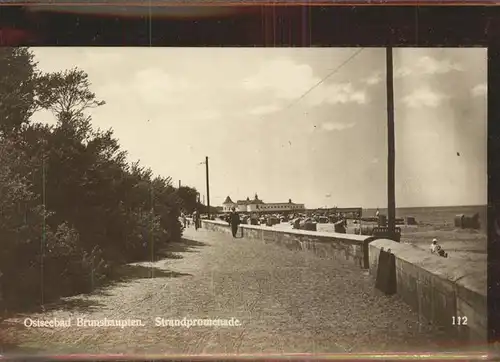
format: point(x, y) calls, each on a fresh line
point(234, 221)
point(196, 219)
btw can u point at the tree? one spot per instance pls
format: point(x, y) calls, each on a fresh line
point(67, 94)
point(188, 198)
point(71, 207)
point(17, 88)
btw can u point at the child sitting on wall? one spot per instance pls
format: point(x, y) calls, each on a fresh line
point(436, 248)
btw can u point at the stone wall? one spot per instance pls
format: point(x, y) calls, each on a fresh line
point(216, 225)
point(353, 248)
point(439, 289)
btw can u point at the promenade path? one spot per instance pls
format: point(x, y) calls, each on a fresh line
point(287, 302)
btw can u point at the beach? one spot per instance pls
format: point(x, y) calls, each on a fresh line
point(434, 222)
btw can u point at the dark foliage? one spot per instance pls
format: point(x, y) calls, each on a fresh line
point(71, 207)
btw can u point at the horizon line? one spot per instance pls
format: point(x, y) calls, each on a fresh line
point(381, 208)
point(414, 207)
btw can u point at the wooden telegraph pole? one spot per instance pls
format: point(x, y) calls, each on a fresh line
point(208, 189)
point(391, 194)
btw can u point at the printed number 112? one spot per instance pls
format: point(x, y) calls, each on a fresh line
point(459, 321)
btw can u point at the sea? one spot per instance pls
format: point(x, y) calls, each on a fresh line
point(436, 215)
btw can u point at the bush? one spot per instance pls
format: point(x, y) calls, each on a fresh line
point(71, 208)
point(37, 264)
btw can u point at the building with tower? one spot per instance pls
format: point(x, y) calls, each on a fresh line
point(257, 205)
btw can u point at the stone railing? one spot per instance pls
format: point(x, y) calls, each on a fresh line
point(353, 248)
point(441, 290)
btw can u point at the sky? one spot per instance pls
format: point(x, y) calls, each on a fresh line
point(251, 111)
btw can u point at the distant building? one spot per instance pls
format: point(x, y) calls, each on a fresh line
point(257, 205)
point(228, 205)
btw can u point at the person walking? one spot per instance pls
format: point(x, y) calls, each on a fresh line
point(196, 218)
point(234, 221)
point(184, 220)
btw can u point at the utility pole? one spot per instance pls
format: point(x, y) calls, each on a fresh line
point(179, 183)
point(208, 189)
point(391, 194)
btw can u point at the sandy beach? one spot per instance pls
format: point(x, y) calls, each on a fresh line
point(465, 244)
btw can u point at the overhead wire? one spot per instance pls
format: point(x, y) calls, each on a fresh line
point(340, 66)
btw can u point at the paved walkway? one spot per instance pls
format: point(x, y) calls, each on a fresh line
point(287, 301)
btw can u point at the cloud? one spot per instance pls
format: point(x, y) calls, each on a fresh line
point(261, 110)
point(289, 81)
point(480, 90)
point(341, 93)
point(424, 97)
point(100, 57)
point(345, 93)
point(151, 86)
point(334, 126)
point(155, 86)
point(373, 79)
point(155, 93)
point(428, 66)
point(90, 59)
